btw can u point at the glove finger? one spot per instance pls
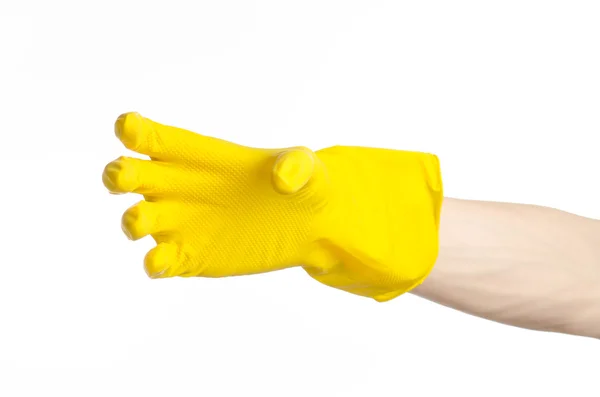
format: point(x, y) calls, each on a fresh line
point(292, 170)
point(165, 260)
point(152, 178)
point(173, 144)
point(149, 218)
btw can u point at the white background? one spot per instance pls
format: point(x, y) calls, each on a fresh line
point(506, 93)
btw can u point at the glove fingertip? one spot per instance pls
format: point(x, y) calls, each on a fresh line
point(292, 170)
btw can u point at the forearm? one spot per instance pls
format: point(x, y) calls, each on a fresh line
point(523, 265)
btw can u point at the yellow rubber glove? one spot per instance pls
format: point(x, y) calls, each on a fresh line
point(362, 220)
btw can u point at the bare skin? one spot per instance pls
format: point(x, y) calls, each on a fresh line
point(522, 265)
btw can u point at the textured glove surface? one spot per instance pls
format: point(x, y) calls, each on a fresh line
point(362, 220)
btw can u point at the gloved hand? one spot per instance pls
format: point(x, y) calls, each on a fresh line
point(362, 220)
